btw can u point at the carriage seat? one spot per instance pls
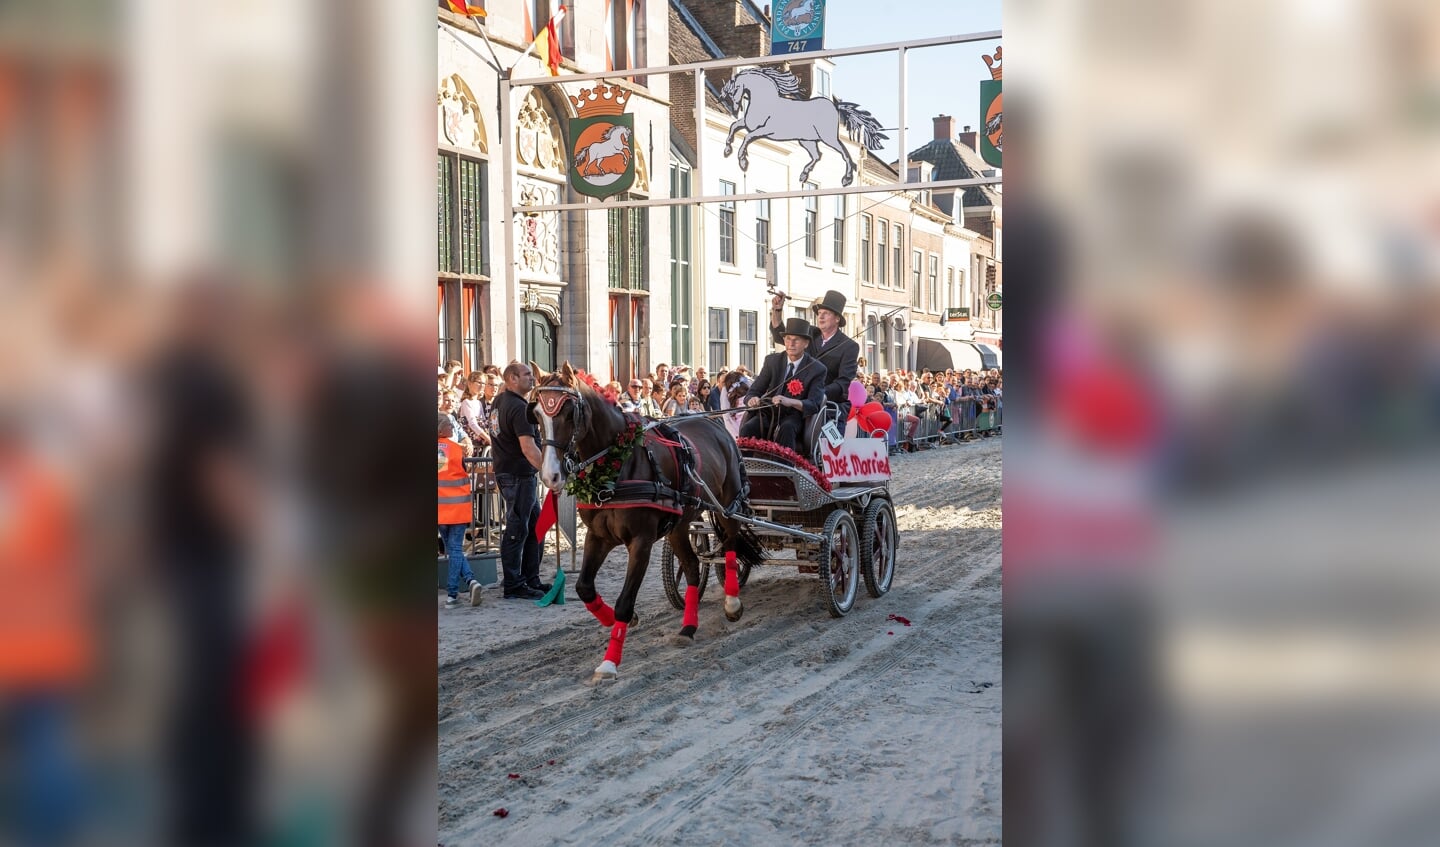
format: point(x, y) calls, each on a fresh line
point(811, 436)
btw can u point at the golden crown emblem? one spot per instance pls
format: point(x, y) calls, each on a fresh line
point(993, 64)
point(600, 100)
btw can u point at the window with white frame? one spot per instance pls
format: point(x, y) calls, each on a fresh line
point(934, 280)
point(719, 339)
point(727, 224)
point(837, 232)
point(897, 249)
point(762, 231)
point(865, 227)
point(917, 260)
point(812, 223)
point(882, 263)
point(749, 338)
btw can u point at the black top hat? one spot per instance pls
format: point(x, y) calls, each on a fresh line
point(835, 302)
point(797, 326)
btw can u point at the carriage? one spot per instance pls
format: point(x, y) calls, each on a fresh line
point(711, 499)
point(839, 523)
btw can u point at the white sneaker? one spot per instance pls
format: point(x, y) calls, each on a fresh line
point(452, 602)
point(475, 595)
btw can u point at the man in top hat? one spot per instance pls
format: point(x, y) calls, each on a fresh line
point(834, 349)
point(788, 390)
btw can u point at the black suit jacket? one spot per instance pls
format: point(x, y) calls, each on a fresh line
point(770, 383)
point(840, 358)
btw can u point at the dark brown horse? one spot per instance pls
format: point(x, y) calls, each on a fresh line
point(660, 492)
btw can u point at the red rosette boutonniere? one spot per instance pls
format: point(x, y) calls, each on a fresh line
point(794, 387)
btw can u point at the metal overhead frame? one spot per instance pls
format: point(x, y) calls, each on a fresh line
point(507, 169)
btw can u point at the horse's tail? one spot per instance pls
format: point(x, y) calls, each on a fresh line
point(861, 125)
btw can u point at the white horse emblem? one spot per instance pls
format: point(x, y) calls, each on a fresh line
point(606, 160)
point(801, 13)
point(772, 110)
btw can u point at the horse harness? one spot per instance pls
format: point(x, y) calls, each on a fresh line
point(660, 493)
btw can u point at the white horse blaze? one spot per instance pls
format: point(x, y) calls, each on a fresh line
point(549, 458)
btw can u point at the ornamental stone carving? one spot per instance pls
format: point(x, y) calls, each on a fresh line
point(461, 123)
point(538, 233)
point(537, 136)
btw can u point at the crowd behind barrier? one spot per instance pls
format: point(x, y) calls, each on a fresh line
point(468, 400)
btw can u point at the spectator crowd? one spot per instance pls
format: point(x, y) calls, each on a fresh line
point(469, 399)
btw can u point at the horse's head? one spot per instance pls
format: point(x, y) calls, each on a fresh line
point(562, 411)
point(732, 92)
point(619, 133)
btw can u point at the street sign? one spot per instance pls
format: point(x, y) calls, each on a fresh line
point(961, 313)
point(993, 301)
point(797, 26)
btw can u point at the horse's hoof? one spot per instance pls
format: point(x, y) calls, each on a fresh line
point(727, 149)
point(735, 613)
point(605, 673)
point(847, 180)
point(735, 617)
point(678, 640)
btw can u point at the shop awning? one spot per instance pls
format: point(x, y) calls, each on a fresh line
point(942, 354)
point(990, 355)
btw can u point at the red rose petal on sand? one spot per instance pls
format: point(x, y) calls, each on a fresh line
point(891, 632)
point(551, 762)
point(513, 775)
point(500, 813)
point(898, 619)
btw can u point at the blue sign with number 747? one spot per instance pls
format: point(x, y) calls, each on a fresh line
point(798, 26)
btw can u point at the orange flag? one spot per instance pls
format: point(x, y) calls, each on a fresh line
point(460, 7)
point(547, 43)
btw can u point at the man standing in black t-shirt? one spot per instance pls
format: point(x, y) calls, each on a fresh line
point(517, 455)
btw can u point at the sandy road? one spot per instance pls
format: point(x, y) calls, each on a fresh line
point(786, 727)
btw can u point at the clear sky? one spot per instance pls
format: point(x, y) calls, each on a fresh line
point(941, 80)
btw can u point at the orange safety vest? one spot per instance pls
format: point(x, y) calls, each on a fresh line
point(454, 486)
point(45, 636)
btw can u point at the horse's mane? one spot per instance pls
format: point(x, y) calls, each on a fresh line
point(786, 83)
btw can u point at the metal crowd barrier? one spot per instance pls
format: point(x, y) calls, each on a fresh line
point(967, 421)
point(487, 523)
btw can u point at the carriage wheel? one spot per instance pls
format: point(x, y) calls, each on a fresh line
point(878, 542)
point(839, 562)
point(674, 576)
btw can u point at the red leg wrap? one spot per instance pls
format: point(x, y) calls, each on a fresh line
point(617, 643)
point(732, 576)
point(692, 606)
point(602, 611)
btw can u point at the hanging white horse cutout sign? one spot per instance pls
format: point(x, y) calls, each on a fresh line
point(772, 109)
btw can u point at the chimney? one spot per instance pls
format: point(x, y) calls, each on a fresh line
point(970, 139)
point(944, 127)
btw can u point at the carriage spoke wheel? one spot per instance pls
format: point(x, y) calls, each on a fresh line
point(673, 575)
point(878, 542)
point(839, 562)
